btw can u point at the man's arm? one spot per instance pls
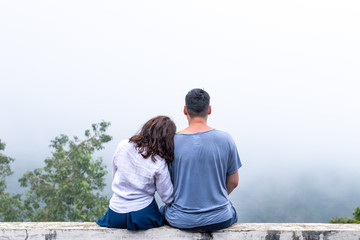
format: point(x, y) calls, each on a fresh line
point(232, 181)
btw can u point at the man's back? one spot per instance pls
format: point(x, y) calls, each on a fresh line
point(202, 162)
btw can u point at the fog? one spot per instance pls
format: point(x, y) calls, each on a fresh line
point(283, 78)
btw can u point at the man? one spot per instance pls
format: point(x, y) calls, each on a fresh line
point(204, 171)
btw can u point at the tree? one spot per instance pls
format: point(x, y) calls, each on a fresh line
point(69, 187)
point(11, 205)
point(355, 219)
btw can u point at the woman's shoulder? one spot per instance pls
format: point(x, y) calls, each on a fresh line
point(123, 143)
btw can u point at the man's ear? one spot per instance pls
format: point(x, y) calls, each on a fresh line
point(209, 112)
point(185, 111)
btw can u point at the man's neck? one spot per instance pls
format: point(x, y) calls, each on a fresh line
point(196, 125)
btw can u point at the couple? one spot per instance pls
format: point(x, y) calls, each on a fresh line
point(193, 171)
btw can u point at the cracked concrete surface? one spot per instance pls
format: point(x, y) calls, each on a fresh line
point(248, 231)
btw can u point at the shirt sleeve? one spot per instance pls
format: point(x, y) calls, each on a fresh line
point(234, 162)
point(115, 156)
point(114, 166)
point(164, 187)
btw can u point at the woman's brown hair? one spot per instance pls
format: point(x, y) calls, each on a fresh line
point(156, 138)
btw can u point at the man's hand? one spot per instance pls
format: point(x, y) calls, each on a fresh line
point(232, 181)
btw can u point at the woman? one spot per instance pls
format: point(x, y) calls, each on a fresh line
point(140, 169)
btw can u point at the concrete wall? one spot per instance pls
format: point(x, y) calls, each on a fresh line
point(248, 231)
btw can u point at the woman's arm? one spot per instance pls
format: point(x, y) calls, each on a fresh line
point(119, 147)
point(232, 181)
point(114, 167)
point(163, 183)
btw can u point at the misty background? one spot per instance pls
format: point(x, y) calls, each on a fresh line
point(283, 77)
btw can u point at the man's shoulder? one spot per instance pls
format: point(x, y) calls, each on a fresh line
point(223, 138)
point(222, 134)
point(213, 133)
point(218, 131)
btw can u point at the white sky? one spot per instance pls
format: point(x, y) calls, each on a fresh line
point(283, 76)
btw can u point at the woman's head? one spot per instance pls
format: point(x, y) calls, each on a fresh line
point(156, 138)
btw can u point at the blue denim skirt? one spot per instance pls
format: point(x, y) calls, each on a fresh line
point(148, 217)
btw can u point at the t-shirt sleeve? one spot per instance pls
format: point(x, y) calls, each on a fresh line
point(164, 187)
point(234, 162)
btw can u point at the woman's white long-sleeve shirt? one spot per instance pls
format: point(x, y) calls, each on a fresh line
point(135, 179)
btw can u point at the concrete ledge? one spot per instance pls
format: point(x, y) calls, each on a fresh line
point(248, 231)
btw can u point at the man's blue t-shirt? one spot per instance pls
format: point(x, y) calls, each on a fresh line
point(202, 162)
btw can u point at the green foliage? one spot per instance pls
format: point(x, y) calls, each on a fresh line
point(357, 214)
point(355, 219)
point(10, 207)
point(69, 187)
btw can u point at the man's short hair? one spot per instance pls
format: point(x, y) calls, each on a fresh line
point(197, 102)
